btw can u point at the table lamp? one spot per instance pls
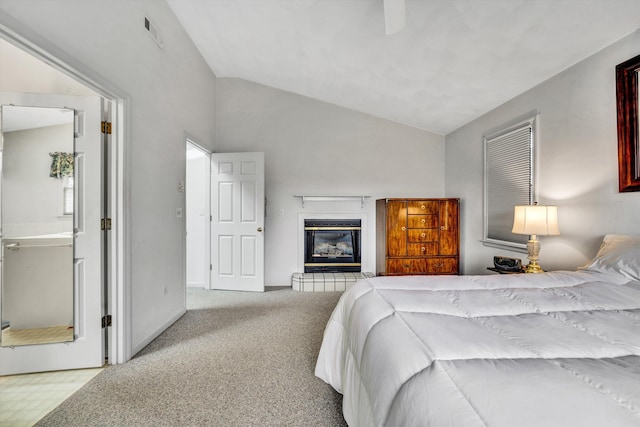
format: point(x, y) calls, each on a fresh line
point(535, 220)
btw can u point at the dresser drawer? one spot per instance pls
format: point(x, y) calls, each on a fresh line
point(422, 249)
point(423, 235)
point(422, 221)
point(442, 265)
point(422, 266)
point(425, 207)
point(405, 266)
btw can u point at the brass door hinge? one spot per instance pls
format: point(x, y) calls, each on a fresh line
point(105, 224)
point(106, 320)
point(105, 127)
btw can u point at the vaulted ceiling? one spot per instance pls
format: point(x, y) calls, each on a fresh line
point(454, 61)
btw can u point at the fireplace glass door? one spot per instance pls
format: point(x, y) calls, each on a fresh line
point(332, 246)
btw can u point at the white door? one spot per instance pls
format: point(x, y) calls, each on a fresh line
point(237, 221)
point(87, 348)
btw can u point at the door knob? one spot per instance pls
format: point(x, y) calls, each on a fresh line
point(259, 229)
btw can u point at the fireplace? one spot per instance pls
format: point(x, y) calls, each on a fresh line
point(332, 245)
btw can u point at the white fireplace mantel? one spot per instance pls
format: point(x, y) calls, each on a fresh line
point(333, 199)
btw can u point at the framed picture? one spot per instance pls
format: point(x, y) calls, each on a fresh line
point(628, 100)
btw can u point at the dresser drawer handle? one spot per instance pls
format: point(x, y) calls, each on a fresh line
point(423, 249)
point(442, 227)
point(424, 221)
point(423, 235)
point(423, 207)
point(403, 228)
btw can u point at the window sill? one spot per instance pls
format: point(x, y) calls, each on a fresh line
point(511, 246)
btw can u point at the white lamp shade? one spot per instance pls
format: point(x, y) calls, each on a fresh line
point(535, 219)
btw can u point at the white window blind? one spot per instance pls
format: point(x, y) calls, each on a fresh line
point(509, 181)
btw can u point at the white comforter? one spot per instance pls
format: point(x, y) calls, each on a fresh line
point(552, 349)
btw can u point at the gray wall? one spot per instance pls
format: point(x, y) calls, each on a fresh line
point(315, 148)
point(171, 91)
point(578, 169)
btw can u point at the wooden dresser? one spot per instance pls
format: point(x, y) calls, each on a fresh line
point(417, 236)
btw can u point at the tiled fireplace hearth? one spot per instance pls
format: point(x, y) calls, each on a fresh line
point(325, 282)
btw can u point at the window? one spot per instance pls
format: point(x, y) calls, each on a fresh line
point(509, 180)
point(67, 195)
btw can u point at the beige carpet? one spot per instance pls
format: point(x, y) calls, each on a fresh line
point(234, 359)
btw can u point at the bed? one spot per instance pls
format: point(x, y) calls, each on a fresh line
point(552, 349)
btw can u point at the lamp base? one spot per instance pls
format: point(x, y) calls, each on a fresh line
point(533, 248)
point(533, 267)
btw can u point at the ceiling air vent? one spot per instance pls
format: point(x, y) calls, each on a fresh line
point(153, 32)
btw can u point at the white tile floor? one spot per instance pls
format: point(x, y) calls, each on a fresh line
point(36, 335)
point(25, 399)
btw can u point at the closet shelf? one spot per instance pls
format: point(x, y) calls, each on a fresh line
point(333, 199)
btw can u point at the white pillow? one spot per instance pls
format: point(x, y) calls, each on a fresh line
point(618, 255)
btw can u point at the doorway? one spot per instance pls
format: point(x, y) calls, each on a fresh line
point(224, 219)
point(198, 216)
point(26, 59)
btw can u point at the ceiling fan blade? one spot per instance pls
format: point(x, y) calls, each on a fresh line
point(395, 16)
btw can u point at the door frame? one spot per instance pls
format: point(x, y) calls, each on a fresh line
point(118, 254)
